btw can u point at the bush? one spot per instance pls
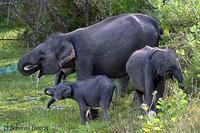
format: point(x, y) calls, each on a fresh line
point(181, 26)
point(176, 15)
point(172, 110)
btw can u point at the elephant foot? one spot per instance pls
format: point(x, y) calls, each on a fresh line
point(123, 83)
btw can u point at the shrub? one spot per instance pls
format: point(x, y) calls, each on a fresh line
point(180, 23)
point(171, 110)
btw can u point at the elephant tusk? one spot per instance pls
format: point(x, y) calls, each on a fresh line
point(29, 67)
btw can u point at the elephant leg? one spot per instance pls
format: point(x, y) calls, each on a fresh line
point(58, 77)
point(67, 72)
point(160, 86)
point(83, 109)
point(137, 99)
point(64, 76)
point(105, 113)
point(148, 99)
point(123, 82)
point(148, 86)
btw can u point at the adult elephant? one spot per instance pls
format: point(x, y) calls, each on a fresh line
point(99, 49)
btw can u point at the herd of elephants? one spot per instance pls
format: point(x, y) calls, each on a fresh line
point(121, 47)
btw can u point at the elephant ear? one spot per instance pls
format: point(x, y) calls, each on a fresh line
point(152, 51)
point(157, 59)
point(66, 53)
point(67, 93)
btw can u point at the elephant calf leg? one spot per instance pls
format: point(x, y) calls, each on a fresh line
point(137, 99)
point(148, 99)
point(83, 110)
point(160, 91)
point(105, 113)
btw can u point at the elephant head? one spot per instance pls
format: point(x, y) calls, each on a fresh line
point(166, 64)
point(48, 57)
point(59, 92)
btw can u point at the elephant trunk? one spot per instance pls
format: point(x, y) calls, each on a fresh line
point(49, 91)
point(28, 64)
point(178, 75)
point(50, 102)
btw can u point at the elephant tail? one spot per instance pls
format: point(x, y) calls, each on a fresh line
point(114, 102)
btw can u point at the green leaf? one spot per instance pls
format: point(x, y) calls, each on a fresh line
point(158, 107)
point(180, 52)
point(183, 102)
point(156, 120)
point(193, 28)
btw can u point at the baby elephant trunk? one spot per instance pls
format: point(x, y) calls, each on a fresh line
point(49, 91)
point(50, 102)
point(178, 75)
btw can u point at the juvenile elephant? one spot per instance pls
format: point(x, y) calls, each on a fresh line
point(148, 68)
point(92, 92)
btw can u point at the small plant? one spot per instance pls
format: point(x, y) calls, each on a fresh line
point(172, 109)
point(151, 123)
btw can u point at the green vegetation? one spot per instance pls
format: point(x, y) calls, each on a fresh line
point(22, 101)
point(172, 110)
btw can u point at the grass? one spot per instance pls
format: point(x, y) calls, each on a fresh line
point(22, 103)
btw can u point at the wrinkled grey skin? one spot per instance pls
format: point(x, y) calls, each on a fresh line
point(148, 68)
point(93, 92)
point(99, 49)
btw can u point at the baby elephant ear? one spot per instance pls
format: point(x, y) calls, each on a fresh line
point(152, 52)
point(67, 92)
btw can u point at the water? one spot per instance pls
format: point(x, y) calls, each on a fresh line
point(35, 80)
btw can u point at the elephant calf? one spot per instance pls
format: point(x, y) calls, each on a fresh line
point(89, 93)
point(148, 68)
